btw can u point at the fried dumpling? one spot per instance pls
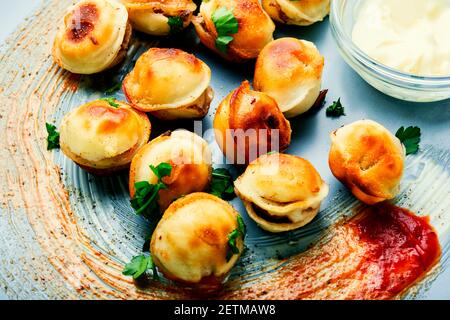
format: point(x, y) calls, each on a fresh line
point(281, 192)
point(190, 158)
point(160, 17)
point(102, 137)
point(249, 123)
point(236, 29)
point(290, 71)
point(368, 159)
point(301, 12)
point(170, 84)
point(190, 243)
point(94, 36)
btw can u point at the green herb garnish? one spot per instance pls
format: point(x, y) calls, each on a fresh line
point(139, 265)
point(53, 137)
point(222, 184)
point(146, 194)
point(410, 137)
point(240, 231)
point(175, 24)
point(226, 25)
point(336, 109)
point(111, 101)
point(113, 89)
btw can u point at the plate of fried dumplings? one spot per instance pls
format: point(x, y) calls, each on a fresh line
point(219, 149)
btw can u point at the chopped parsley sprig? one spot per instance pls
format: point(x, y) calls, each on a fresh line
point(222, 184)
point(139, 265)
point(145, 201)
point(410, 137)
point(336, 109)
point(226, 25)
point(52, 137)
point(240, 231)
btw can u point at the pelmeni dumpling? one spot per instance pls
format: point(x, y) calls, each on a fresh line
point(290, 71)
point(281, 192)
point(189, 156)
point(160, 17)
point(170, 84)
point(102, 137)
point(249, 123)
point(190, 243)
point(301, 12)
point(94, 36)
point(368, 159)
point(251, 28)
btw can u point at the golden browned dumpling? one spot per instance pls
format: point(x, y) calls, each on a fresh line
point(190, 243)
point(249, 123)
point(171, 84)
point(189, 156)
point(300, 12)
point(368, 159)
point(281, 192)
point(102, 137)
point(290, 71)
point(94, 36)
point(160, 17)
point(235, 29)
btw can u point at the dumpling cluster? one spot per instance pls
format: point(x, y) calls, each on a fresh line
point(290, 71)
point(368, 159)
point(102, 138)
point(236, 29)
point(281, 192)
point(301, 12)
point(94, 37)
point(249, 123)
point(160, 17)
point(190, 158)
point(170, 84)
point(190, 243)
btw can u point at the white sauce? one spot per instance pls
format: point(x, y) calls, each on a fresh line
point(412, 36)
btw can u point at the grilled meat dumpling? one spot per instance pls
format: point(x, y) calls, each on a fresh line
point(249, 123)
point(160, 17)
point(281, 192)
point(102, 138)
point(170, 84)
point(235, 29)
point(368, 159)
point(301, 12)
point(189, 156)
point(94, 36)
point(290, 71)
point(190, 243)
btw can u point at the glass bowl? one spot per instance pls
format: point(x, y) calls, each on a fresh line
point(392, 82)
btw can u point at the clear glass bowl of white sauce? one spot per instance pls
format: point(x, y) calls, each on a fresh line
point(392, 82)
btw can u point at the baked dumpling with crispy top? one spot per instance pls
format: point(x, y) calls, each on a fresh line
point(301, 12)
point(236, 29)
point(102, 137)
point(170, 84)
point(281, 192)
point(94, 36)
point(160, 17)
point(249, 123)
point(190, 243)
point(190, 158)
point(368, 159)
point(290, 71)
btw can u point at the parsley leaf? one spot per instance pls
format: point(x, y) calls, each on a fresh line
point(146, 194)
point(222, 184)
point(138, 265)
point(175, 24)
point(53, 137)
point(226, 24)
point(410, 137)
point(240, 231)
point(111, 101)
point(336, 109)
